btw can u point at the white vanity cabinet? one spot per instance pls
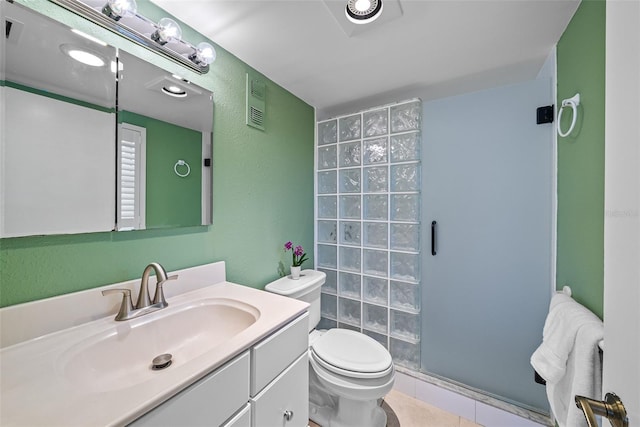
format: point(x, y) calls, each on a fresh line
point(280, 377)
point(210, 401)
point(267, 385)
point(285, 401)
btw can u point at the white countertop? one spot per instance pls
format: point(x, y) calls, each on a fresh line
point(35, 390)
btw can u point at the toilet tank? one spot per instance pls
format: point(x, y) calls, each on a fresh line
point(306, 288)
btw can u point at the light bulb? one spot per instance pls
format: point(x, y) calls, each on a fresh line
point(116, 9)
point(362, 5)
point(168, 30)
point(204, 54)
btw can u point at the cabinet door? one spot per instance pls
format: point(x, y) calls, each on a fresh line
point(270, 357)
point(241, 419)
point(210, 401)
point(285, 401)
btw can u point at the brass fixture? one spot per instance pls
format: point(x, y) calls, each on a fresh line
point(611, 408)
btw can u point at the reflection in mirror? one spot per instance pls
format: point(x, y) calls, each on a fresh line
point(58, 119)
point(165, 125)
point(58, 99)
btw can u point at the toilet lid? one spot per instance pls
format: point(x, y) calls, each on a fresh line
point(351, 353)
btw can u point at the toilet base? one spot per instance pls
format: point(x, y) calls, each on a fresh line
point(348, 413)
point(354, 413)
point(320, 414)
point(331, 402)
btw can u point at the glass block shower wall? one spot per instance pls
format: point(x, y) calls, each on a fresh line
point(368, 225)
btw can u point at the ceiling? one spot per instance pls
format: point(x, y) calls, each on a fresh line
point(417, 48)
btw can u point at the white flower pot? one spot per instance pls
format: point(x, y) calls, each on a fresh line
point(295, 272)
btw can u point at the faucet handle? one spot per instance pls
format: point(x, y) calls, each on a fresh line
point(126, 306)
point(159, 295)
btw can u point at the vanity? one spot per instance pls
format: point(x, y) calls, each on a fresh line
point(238, 358)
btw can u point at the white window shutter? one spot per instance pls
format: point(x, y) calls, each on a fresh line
point(131, 177)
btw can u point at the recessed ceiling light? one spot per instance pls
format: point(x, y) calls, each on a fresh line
point(363, 11)
point(83, 55)
point(175, 91)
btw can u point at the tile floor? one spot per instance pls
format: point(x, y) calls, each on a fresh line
point(463, 406)
point(405, 411)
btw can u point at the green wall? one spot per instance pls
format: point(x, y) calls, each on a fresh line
point(262, 194)
point(171, 201)
point(581, 68)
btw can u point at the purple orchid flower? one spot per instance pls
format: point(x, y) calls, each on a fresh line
point(298, 256)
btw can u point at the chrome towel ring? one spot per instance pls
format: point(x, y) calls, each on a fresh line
point(573, 103)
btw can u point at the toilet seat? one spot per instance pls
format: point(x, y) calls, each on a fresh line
point(351, 354)
point(358, 389)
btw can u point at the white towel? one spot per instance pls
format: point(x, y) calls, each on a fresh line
point(565, 317)
point(583, 377)
point(568, 358)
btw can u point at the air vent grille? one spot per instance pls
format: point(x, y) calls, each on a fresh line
point(257, 116)
point(256, 105)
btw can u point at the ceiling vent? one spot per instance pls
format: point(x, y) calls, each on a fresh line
point(256, 96)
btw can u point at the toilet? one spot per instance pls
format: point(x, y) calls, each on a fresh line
point(348, 371)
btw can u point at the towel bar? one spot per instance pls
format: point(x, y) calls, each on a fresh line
point(536, 376)
point(566, 289)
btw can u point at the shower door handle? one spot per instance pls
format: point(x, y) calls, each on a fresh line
point(433, 237)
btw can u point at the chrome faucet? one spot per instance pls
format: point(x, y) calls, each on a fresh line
point(145, 304)
point(144, 299)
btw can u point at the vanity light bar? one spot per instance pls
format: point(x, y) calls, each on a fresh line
point(99, 18)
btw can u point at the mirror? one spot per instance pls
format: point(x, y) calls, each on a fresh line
point(172, 118)
point(62, 135)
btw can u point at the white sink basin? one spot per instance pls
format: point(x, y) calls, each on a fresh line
point(121, 357)
point(98, 372)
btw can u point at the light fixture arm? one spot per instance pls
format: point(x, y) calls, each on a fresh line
point(97, 17)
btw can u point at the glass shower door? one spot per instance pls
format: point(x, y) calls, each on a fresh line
point(487, 181)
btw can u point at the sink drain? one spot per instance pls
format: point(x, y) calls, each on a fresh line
point(161, 362)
